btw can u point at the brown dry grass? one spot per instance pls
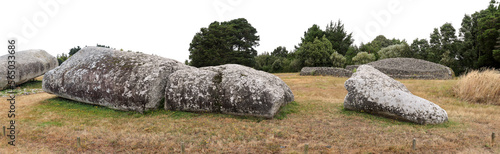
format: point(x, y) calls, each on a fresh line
point(479, 86)
point(320, 122)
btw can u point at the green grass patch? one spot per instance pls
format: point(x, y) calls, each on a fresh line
point(73, 108)
point(25, 87)
point(291, 107)
point(33, 84)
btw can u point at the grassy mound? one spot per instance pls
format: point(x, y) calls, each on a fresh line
point(479, 86)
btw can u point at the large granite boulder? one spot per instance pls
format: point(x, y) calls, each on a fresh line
point(330, 71)
point(372, 91)
point(29, 64)
point(115, 79)
point(231, 89)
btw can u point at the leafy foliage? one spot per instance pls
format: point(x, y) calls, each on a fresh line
point(340, 39)
point(363, 58)
point(338, 60)
point(229, 42)
point(351, 52)
point(280, 52)
point(334, 32)
point(317, 53)
point(393, 51)
point(378, 43)
point(420, 48)
point(74, 50)
point(61, 58)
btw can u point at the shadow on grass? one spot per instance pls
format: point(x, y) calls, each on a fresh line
point(73, 108)
point(385, 121)
point(32, 84)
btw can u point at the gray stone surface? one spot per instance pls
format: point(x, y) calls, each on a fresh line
point(29, 64)
point(331, 71)
point(410, 68)
point(369, 90)
point(115, 79)
point(231, 89)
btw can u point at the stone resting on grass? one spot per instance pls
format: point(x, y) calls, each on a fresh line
point(115, 79)
point(372, 91)
point(29, 64)
point(231, 89)
point(140, 82)
point(410, 68)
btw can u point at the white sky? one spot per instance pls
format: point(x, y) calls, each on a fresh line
point(166, 28)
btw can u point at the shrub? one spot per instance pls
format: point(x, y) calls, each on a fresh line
point(295, 65)
point(61, 58)
point(393, 51)
point(479, 87)
point(363, 58)
point(276, 67)
point(337, 59)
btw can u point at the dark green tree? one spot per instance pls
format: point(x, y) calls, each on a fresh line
point(488, 35)
point(61, 58)
point(311, 33)
point(280, 52)
point(264, 62)
point(420, 48)
point(340, 39)
point(317, 53)
point(468, 51)
point(338, 36)
point(382, 42)
point(435, 47)
point(378, 43)
point(448, 36)
point(229, 42)
point(351, 52)
point(74, 50)
point(277, 66)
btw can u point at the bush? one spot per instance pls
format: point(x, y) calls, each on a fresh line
point(338, 60)
point(61, 58)
point(393, 51)
point(276, 67)
point(363, 58)
point(479, 87)
point(295, 65)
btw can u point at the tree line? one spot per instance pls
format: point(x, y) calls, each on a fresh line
point(477, 45)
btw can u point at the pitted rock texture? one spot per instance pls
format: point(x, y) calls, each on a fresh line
point(410, 68)
point(331, 71)
point(230, 89)
point(370, 90)
point(29, 64)
point(115, 79)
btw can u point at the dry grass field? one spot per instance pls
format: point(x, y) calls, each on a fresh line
point(316, 122)
point(479, 86)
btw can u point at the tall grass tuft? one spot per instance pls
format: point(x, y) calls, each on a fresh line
point(479, 86)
